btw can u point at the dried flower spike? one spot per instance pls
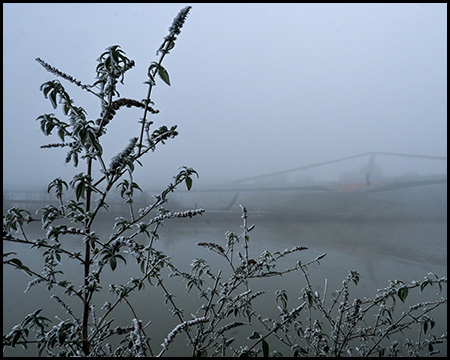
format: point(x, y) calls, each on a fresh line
point(179, 20)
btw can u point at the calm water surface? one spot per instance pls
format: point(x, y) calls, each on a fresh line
point(379, 251)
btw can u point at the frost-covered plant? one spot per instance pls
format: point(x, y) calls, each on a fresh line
point(317, 326)
point(79, 335)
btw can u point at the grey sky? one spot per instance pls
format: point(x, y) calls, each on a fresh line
point(255, 88)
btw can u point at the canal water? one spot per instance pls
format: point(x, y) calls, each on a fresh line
point(380, 250)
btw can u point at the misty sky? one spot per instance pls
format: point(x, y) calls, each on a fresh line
point(256, 88)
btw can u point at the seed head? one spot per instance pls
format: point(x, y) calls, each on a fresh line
point(179, 20)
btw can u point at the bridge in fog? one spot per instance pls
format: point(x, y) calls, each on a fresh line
point(254, 184)
point(365, 185)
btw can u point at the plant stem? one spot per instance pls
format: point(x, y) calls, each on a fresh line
point(150, 86)
point(87, 262)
